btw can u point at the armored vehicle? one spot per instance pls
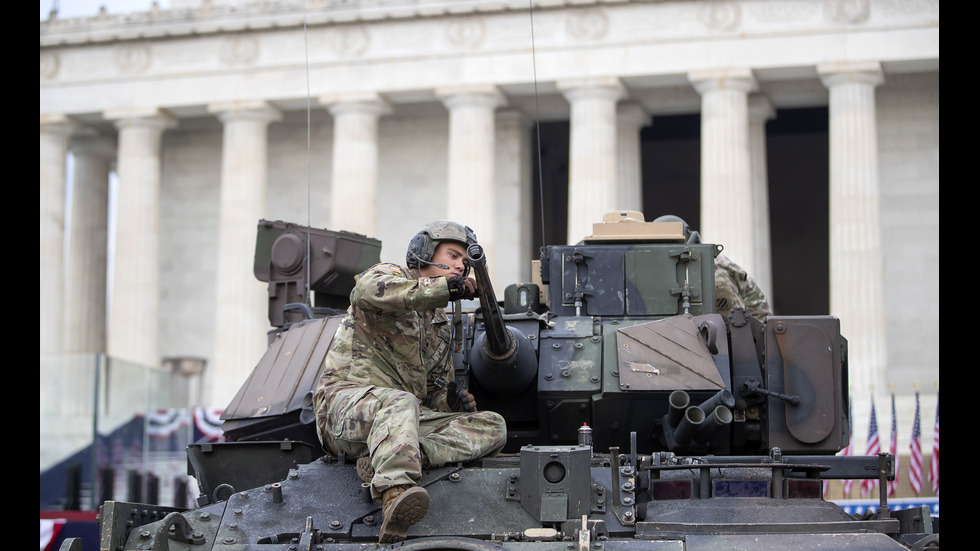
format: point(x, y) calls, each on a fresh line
point(638, 418)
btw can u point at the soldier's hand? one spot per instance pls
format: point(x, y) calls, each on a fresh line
point(459, 399)
point(462, 288)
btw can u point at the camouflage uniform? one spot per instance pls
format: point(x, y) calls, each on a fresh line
point(378, 394)
point(734, 287)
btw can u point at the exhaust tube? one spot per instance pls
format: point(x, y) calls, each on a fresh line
point(679, 402)
point(720, 417)
point(693, 418)
point(723, 397)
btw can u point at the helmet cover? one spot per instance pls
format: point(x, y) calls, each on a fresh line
point(422, 247)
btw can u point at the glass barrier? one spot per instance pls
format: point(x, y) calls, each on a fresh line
point(112, 429)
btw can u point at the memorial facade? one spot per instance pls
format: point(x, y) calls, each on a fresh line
point(377, 116)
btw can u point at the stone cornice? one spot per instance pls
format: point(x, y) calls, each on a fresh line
point(270, 14)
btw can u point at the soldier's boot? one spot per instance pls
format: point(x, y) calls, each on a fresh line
point(402, 507)
point(364, 469)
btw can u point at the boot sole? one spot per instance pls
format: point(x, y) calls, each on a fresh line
point(408, 509)
point(364, 469)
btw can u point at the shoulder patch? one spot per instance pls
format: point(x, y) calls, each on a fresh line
point(391, 268)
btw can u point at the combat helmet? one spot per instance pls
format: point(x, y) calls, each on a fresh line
point(422, 247)
point(690, 236)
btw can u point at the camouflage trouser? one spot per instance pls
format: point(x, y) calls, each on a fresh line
point(391, 427)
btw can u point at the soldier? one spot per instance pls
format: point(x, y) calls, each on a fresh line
point(734, 287)
point(387, 395)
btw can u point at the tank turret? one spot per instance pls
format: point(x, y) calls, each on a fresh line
point(637, 418)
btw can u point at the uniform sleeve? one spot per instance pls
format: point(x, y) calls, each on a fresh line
point(734, 287)
point(388, 288)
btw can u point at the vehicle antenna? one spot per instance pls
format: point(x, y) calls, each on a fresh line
point(306, 56)
point(537, 121)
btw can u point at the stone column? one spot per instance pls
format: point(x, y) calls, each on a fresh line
point(856, 281)
point(760, 110)
point(85, 284)
point(514, 197)
point(354, 177)
point(726, 176)
point(241, 318)
point(631, 118)
point(133, 325)
point(55, 131)
point(593, 184)
point(472, 142)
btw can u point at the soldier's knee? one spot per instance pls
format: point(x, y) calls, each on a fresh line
point(396, 406)
point(498, 428)
point(392, 397)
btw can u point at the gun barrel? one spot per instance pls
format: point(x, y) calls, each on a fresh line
point(503, 362)
point(499, 340)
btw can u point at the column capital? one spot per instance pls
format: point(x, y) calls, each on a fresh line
point(760, 108)
point(371, 103)
point(140, 116)
point(633, 113)
point(471, 94)
point(610, 88)
point(58, 124)
point(93, 144)
point(257, 110)
point(512, 114)
point(729, 78)
point(841, 72)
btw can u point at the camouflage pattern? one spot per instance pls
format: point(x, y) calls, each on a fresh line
point(378, 394)
point(734, 288)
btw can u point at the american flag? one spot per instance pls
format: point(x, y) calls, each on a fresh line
point(848, 483)
point(915, 463)
point(893, 449)
point(874, 446)
point(934, 464)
